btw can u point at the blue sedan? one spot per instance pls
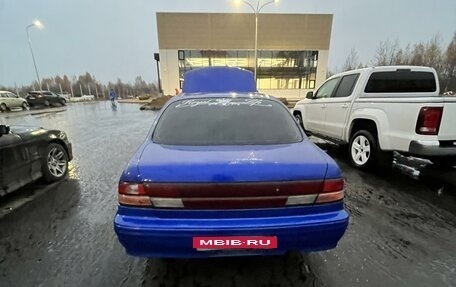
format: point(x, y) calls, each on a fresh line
point(228, 174)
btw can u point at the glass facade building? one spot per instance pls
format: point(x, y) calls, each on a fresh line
point(293, 49)
point(276, 70)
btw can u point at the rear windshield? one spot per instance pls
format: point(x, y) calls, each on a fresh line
point(401, 82)
point(226, 121)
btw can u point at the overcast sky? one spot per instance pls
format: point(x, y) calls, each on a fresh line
point(117, 38)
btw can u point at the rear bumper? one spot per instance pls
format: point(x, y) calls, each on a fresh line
point(431, 149)
point(146, 236)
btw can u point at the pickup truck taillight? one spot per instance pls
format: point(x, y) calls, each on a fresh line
point(231, 195)
point(429, 120)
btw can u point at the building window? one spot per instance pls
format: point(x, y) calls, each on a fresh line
point(276, 69)
point(312, 84)
point(181, 55)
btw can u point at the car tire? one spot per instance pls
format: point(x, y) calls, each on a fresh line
point(25, 106)
point(3, 107)
point(46, 103)
point(298, 118)
point(55, 163)
point(365, 153)
point(63, 102)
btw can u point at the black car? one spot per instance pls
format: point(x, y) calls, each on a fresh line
point(45, 98)
point(27, 154)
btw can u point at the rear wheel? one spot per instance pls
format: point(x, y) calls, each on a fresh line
point(3, 107)
point(298, 118)
point(365, 152)
point(55, 163)
point(46, 103)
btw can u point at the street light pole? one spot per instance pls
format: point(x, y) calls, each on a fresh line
point(38, 25)
point(256, 45)
point(256, 11)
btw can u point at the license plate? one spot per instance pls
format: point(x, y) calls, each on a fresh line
point(210, 243)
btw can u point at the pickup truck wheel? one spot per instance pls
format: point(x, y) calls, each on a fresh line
point(362, 149)
point(298, 118)
point(55, 163)
point(365, 152)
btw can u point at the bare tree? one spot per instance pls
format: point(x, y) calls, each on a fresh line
point(449, 67)
point(433, 55)
point(352, 61)
point(417, 55)
point(386, 53)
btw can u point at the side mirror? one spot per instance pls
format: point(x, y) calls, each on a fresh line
point(310, 95)
point(4, 130)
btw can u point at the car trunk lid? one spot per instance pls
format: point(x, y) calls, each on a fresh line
point(224, 164)
point(231, 177)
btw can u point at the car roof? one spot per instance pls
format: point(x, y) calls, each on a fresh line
point(384, 69)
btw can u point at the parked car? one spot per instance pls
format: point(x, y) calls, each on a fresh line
point(45, 98)
point(27, 154)
point(227, 171)
point(9, 100)
point(380, 110)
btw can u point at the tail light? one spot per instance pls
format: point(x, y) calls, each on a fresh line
point(333, 190)
point(429, 119)
point(231, 195)
point(131, 188)
point(133, 194)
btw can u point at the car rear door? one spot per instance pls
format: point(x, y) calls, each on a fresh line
point(15, 100)
point(338, 106)
point(4, 98)
point(52, 97)
point(14, 163)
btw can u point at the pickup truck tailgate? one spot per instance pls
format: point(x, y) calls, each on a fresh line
point(448, 124)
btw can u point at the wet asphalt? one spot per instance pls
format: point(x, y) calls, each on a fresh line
point(402, 229)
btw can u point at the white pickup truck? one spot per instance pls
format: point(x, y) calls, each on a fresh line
point(379, 110)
